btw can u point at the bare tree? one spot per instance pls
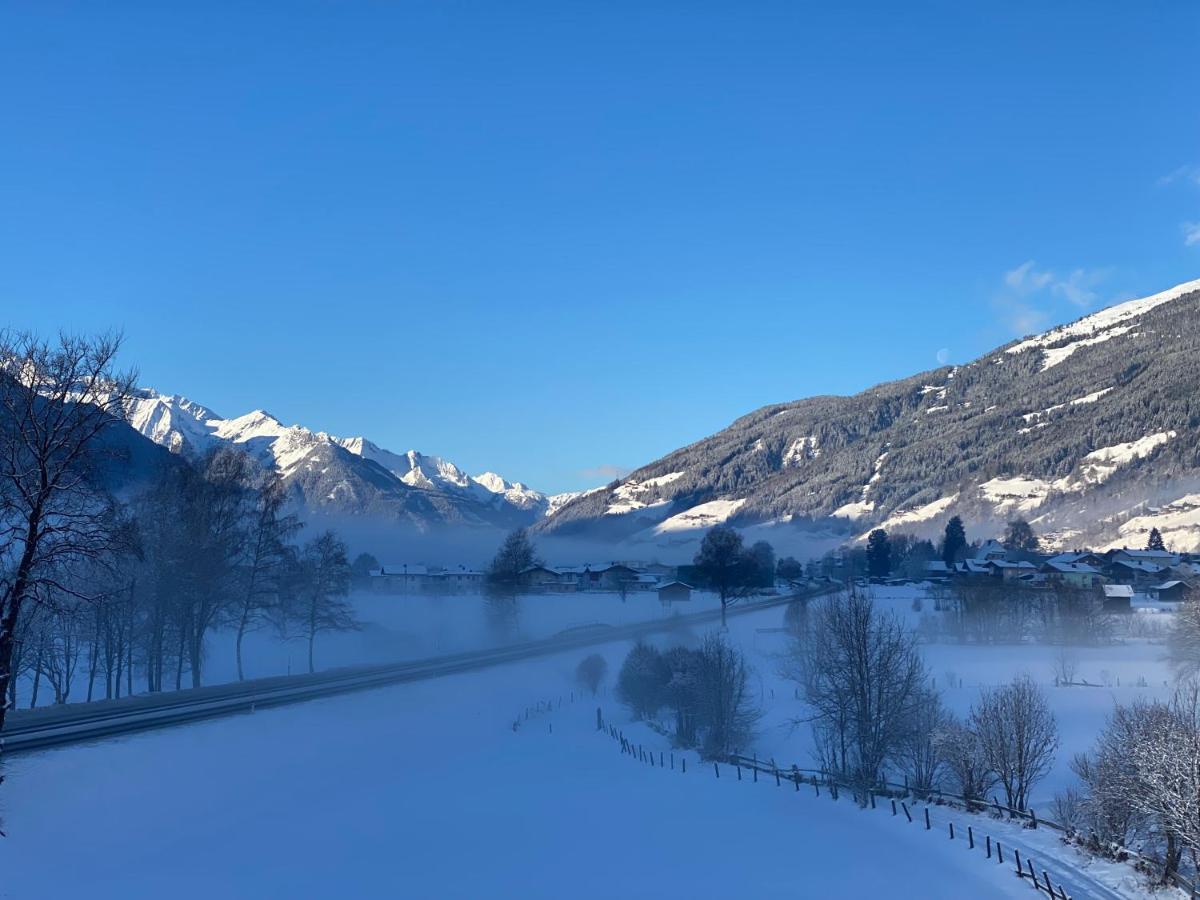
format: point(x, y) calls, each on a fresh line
point(320, 603)
point(56, 401)
point(863, 677)
point(1184, 639)
point(267, 557)
point(1065, 665)
point(921, 752)
point(727, 712)
point(725, 565)
point(960, 747)
point(1017, 735)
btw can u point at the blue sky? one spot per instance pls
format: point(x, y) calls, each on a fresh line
point(557, 240)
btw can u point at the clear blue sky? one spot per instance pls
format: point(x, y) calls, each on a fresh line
point(550, 239)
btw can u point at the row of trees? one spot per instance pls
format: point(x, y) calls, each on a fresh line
point(873, 709)
point(706, 688)
point(114, 591)
point(988, 611)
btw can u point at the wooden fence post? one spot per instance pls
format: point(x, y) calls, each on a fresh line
point(907, 814)
point(999, 853)
point(1019, 872)
point(927, 825)
point(683, 762)
point(989, 846)
point(970, 838)
point(893, 807)
point(715, 769)
point(739, 771)
point(951, 831)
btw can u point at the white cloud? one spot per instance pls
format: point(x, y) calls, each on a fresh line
point(1187, 174)
point(1078, 286)
point(1026, 278)
point(1028, 289)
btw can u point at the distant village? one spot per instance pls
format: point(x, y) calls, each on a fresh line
point(1124, 578)
point(621, 577)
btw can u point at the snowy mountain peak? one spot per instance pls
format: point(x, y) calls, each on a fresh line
point(327, 464)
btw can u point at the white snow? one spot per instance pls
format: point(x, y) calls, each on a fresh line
point(428, 790)
point(1022, 494)
point(801, 449)
point(704, 515)
point(629, 496)
point(918, 514)
point(1099, 465)
point(1178, 522)
point(1100, 326)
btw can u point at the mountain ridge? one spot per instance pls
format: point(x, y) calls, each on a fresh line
point(352, 475)
point(1083, 429)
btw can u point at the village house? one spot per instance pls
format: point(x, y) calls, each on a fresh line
point(675, 592)
point(1075, 574)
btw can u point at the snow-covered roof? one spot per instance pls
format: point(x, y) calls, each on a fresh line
point(675, 584)
point(404, 569)
point(1139, 566)
point(1118, 590)
point(1069, 567)
point(1167, 585)
point(1005, 564)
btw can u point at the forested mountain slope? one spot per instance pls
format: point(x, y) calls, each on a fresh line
point(1089, 431)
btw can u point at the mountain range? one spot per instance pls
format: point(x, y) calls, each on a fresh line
point(1089, 431)
point(345, 476)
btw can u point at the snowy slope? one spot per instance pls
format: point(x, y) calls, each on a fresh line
point(1078, 429)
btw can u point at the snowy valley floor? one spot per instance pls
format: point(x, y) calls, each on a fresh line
point(427, 791)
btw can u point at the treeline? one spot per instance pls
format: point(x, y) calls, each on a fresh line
point(101, 596)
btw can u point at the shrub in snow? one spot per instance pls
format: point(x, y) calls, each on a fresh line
point(591, 671)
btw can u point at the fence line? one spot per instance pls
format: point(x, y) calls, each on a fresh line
point(1022, 868)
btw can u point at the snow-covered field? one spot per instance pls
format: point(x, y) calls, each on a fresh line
point(426, 790)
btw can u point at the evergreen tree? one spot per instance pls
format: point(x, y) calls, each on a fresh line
point(879, 554)
point(954, 545)
point(1156, 541)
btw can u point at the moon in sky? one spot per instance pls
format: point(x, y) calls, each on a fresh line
point(943, 355)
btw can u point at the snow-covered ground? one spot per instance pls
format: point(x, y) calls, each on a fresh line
point(415, 790)
point(426, 790)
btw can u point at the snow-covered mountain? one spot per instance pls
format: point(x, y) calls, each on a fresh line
point(1090, 430)
point(345, 475)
